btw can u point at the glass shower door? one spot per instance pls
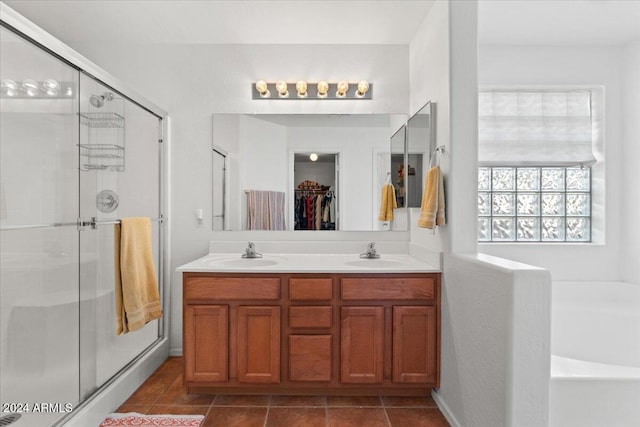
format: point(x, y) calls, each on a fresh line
point(119, 177)
point(39, 303)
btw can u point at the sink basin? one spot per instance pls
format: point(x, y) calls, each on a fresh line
point(374, 263)
point(247, 262)
point(244, 262)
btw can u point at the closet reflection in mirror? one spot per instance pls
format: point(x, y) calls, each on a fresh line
point(315, 201)
point(264, 153)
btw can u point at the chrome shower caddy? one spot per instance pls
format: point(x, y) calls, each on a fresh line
point(104, 149)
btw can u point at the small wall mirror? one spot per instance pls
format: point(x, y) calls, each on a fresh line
point(399, 164)
point(421, 145)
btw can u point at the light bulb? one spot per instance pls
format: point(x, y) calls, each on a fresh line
point(323, 88)
point(313, 157)
point(301, 88)
point(281, 87)
point(31, 87)
point(9, 84)
point(51, 86)
point(342, 88)
point(363, 87)
point(261, 87)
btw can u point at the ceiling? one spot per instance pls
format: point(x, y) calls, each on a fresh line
point(232, 22)
point(371, 22)
point(558, 22)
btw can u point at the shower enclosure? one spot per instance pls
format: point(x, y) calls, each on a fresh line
point(76, 155)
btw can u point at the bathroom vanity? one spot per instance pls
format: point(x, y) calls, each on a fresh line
point(290, 327)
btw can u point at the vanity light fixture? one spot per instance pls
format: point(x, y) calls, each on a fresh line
point(313, 157)
point(281, 87)
point(301, 88)
point(36, 89)
point(322, 89)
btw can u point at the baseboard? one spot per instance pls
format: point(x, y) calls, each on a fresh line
point(175, 352)
point(444, 408)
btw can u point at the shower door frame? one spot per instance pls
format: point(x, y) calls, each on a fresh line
point(155, 353)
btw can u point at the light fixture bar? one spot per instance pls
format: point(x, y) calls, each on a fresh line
point(36, 89)
point(261, 90)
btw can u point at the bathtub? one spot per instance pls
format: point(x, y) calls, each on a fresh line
point(595, 354)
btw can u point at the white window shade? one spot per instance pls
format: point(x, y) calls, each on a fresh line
point(528, 127)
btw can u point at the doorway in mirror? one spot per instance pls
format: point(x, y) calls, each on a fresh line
point(315, 205)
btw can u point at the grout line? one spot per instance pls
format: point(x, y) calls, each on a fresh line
point(266, 415)
point(387, 416)
point(326, 416)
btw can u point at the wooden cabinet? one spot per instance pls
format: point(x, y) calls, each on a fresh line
point(359, 334)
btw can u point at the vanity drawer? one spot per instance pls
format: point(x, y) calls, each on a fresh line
point(310, 317)
point(311, 289)
point(388, 288)
point(232, 288)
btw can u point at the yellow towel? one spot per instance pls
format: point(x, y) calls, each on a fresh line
point(432, 206)
point(388, 203)
point(137, 297)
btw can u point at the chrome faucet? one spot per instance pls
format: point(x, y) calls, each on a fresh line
point(371, 252)
point(250, 252)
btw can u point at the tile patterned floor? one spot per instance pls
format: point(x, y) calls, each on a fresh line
point(163, 393)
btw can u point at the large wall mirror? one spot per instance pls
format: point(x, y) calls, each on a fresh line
point(326, 171)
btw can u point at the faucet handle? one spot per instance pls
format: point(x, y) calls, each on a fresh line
point(371, 246)
point(251, 245)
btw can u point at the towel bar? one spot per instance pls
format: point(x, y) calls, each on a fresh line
point(80, 223)
point(93, 223)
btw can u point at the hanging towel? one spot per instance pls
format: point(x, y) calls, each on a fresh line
point(137, 296)
point(432, 206)
point(388, 203)
point(265, 210)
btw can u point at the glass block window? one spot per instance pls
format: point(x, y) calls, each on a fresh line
point(534, 204)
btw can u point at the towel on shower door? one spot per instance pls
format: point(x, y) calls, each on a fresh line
point(432, 206)
point(388, 203)
point(137, 296)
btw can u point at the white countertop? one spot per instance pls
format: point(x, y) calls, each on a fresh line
point(307, 263)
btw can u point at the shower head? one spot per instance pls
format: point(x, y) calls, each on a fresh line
point(98, 100)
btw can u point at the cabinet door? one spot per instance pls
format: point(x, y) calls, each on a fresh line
point(206, 342)
point(361, 339)
point(414, 344)
point(310, 358)
point(259, 344)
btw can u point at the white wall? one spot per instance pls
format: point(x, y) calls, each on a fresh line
point(495, 342)
point(630, 156)
point(549, 65)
